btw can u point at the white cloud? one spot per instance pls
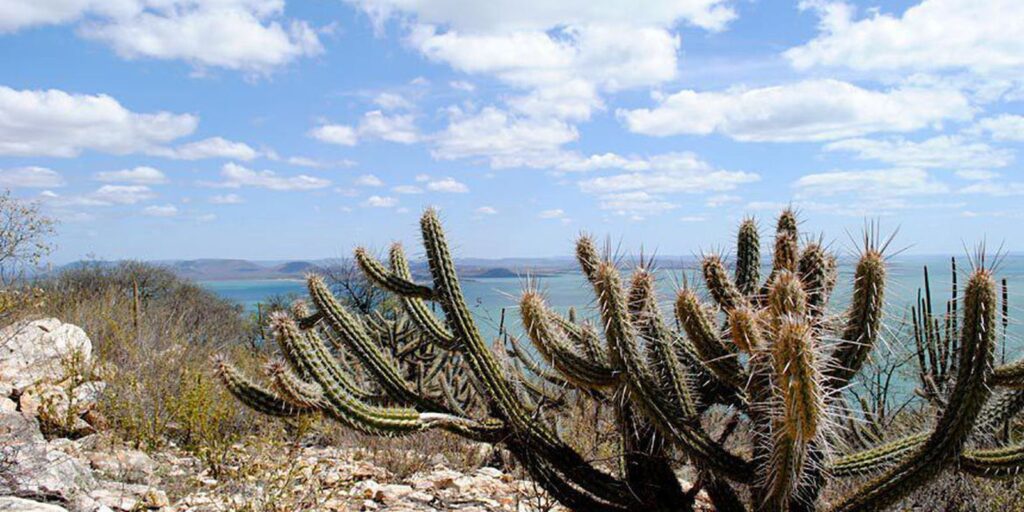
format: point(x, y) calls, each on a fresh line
point(448, 185)
point(420, 178)
point(391, 101)
point(213, 147)
point(504, 139)
point(340, 134)
point(872, 183)
point(400, 128)
point(612, 57)
point(641, 192)
point(941, 152)
point(56, 123)
point(167, 210)
point(976, 174)
point(396, 128)
point(670, 173)
point(226, 199)
point(142, 175)
point(810, 110)
point(380, 202)
point(992, 188)
point(1007, 127)
point(120, 194)
point(235, 34)
point(236, 176)
point(981, 36)
point(30, 177)
point(510, 15)
point(635, 204)
point(369, 180)
point(556, 213)
point(486, 210)
point(462, 85)
point(407, 189)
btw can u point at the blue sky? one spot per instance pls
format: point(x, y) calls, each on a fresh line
point(268, 129)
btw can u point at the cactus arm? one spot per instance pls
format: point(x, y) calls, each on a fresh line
point(997, 412)
point(945, 444)
point(293, 389)
point(516, 351)
point(714, 355)
point(416, 308)
point(621, 336)
point(390, 280)
point(584, 337)
point(877, 458)
point(998, 463)
point(725, 293)
point(748, 257)
point(798, 390)
point(253, 395)
point(355, 338)
point(498, 389)
point(1009, 375)
point(864, 320)
point(817, 273)
point(552, 345)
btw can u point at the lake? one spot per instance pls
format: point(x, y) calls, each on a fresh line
point(487, 297)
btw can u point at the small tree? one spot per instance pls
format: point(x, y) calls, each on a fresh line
point(24, 237)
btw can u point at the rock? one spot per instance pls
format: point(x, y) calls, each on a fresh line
point(124, 465)
point(38, 471)
point(367, 490)
point(17, 429)
point(393, 492)
point(7, 405)
point(12, 504)
point(45, 350)
point(129, 497)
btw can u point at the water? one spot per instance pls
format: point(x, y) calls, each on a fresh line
point(487, 297)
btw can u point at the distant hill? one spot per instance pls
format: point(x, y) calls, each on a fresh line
point(218, 269)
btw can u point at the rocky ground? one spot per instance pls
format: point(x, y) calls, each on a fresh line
point(77, 466)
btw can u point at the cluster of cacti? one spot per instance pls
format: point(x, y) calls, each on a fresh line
point(768, 348)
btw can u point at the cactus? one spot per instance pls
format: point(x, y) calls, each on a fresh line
point(770, 349)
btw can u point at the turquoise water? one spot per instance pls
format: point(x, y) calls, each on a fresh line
point(487, 297)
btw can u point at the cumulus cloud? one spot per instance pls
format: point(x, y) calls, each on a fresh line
point(369, 180)
point(932, 35)
point(30, 177)
point(448, 185)
point(400, 128)
point(510, 15)
point(643, 189)
point(556, 213)
point(237, 176)
point(120, 194)
point(142, 175)
point(249, 35)
point(166, 210)
point(226, 199)
point(811, 110)
point(941, 152)
point(504, 139)
point(380, 202)
point(486, 210)
point(213, 147)
point(1006, 127)
point(871, 183)
point(60, 124)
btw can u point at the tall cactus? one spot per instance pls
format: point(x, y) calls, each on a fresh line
point(769, 348)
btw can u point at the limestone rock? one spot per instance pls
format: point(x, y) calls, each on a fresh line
point(42, 350)
point(12, 504)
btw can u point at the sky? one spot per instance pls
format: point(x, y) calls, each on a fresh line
point(280, 129)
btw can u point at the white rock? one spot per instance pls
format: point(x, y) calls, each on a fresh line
point(12, 504)
point(41, 350)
